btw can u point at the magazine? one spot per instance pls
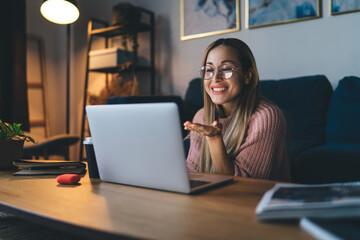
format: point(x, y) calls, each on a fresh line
point(294, 201)
point(332, 229)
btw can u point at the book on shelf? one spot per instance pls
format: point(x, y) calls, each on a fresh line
point(332, 229)
point(48, 167)
point(294, 201)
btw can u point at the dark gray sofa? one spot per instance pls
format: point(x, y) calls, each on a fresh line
point(323, 126)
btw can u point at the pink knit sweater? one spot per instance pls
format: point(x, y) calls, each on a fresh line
point(263, 152)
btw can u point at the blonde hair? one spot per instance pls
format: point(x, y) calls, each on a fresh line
point(246, 102)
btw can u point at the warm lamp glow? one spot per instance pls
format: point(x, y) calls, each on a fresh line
point(60, 11)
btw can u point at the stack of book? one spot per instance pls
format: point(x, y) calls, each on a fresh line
point(294, 201)
point(48, 167)
point(326, 211)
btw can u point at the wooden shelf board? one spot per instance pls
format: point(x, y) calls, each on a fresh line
point(117, 30)
point(120, 68)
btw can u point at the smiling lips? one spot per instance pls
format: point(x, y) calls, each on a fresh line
point(217, 90)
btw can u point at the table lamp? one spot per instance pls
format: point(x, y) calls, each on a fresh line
point(62, 12)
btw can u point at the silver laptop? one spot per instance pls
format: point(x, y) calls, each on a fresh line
point(141, 145)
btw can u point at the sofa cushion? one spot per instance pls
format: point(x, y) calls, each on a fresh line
point(298, 146)
point(194, 99)
point(304, 101)
point(344, 112)
point(332, 162)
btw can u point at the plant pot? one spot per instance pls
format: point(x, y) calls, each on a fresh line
point(10, 151)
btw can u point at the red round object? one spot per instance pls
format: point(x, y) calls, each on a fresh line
point(68, 178)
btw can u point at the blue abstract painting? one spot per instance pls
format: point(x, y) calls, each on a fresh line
point(208, 17)
point(270, 12)
point(344, 6)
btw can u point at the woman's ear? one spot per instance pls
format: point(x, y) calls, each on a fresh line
point(248, 77)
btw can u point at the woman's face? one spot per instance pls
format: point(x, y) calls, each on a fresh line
point(224, 91)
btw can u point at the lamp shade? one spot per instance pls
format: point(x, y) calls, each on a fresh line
point(60, 11)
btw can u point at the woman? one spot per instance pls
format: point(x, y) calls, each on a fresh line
point(237, 132)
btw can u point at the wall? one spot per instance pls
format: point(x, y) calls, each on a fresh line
point(328, 46)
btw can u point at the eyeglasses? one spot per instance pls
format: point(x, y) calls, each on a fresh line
point(225, 71)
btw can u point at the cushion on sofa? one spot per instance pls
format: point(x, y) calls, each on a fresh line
point(194, 99)
point(304, 101)
point(332, 162)
point(344, 112)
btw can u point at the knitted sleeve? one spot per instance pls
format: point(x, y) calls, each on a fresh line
point(263, 153)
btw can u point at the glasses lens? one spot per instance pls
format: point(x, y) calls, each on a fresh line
point(226, 71)
point(208, 72)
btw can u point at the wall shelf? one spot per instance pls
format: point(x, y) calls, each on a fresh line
point(107, 32)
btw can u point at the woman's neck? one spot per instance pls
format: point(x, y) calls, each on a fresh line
point(227, 109)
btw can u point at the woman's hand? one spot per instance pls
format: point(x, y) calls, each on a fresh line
point(219, 157)
point(212, 130)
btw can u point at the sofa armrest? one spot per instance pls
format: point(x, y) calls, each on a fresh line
point(332, 162)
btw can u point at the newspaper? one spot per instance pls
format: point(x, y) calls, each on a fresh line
point(293, 201)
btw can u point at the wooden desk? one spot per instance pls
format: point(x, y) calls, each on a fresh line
point(102, 210)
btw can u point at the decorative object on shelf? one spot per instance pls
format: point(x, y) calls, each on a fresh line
point(109, 57)
point(128, 16)
point(117, 87)
point(11, 143)
point(344, 6)
point(60, 11)
point(206, 18)
point(262, 13)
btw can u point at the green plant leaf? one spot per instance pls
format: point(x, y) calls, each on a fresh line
point(10, 127)
point(16, 127)
point(8, 131)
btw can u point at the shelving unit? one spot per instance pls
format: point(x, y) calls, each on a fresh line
point(107, 32)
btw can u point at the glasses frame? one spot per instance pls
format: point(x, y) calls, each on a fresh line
point(202, 72)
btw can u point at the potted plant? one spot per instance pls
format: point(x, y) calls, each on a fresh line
point(11, 143)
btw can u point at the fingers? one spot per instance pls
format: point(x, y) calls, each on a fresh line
point(187, 125)
point(215, 123)
point(193, 126)
point(212, 130)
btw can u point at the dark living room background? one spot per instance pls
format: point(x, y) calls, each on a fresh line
point(327, 45)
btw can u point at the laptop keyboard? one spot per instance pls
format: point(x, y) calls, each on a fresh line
point(197, 183)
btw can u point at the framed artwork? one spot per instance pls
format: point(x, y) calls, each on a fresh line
point(344, 6)
point(201, 18)
point(262, 13)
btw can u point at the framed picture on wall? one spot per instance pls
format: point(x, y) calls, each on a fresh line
point(344, 6)
point(262, 13)
point(208, 17)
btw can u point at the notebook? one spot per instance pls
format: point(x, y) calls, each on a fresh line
point(141, 145)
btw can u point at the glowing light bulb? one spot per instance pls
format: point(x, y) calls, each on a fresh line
point(60, 11)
